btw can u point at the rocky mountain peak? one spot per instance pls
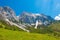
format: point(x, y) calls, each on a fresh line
point(31, 18)
point(8, 13)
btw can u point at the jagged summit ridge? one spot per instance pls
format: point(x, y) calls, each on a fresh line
point(8, 12)
point(32, 18)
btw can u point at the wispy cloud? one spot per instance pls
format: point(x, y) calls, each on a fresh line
point(38, 3)
point(57, 6)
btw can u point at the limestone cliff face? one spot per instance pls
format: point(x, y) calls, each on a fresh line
point(8, 13)
point(31, 18)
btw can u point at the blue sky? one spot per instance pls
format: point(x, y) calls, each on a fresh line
point(48, 7)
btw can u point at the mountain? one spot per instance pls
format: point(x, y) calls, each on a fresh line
point(8, 15)
point(29, 22)
point(35, 18)
point(25, 19)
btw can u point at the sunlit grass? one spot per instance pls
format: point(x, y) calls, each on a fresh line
point(20, 35)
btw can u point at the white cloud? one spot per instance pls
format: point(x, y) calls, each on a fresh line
point(57, 17)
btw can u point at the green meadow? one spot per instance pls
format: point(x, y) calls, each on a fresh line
point(6, 34)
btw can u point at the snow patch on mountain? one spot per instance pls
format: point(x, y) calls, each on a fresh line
point(36, 24)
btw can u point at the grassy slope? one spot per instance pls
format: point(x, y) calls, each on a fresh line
point(20, 35)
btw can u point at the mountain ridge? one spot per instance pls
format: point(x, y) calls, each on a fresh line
point(8, 15)
point(25, 18)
